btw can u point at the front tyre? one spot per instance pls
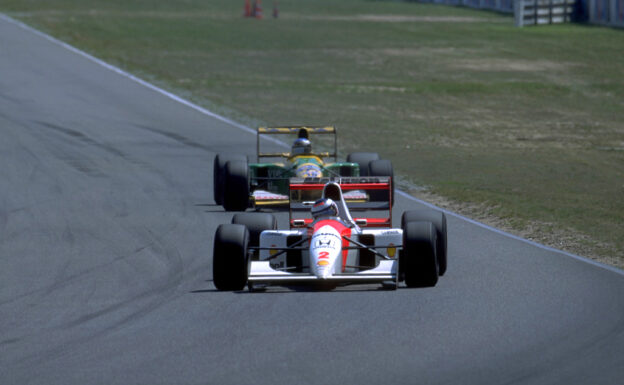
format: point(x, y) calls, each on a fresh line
point(438, 219)
point(419, 254)
point(236, 186)
point(229, 257)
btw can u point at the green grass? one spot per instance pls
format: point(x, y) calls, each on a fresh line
point(526, 123)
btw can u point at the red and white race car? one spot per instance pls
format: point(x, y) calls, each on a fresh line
point(330, 248)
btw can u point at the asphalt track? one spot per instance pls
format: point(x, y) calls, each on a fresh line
point(106, 227)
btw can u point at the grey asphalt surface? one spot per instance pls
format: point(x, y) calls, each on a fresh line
point(106, 229)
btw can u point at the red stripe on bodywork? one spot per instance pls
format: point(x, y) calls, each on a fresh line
point(347, 186)
point(370, 222)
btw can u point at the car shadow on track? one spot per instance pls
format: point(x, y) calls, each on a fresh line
point(302, 289)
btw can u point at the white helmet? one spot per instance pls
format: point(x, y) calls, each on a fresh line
point(301, 146)
point(324, 207)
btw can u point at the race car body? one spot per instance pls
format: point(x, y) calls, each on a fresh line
point(330, 256)
point(331, 248)
point(240, 184)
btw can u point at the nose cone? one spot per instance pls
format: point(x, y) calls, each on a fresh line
point(325, 248)
point(323, 263)
point(323, 271)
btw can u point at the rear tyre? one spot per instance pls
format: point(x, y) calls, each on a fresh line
point(362, 159)
point(217, 174)
point(439, 221)
point(381, 167)
point(256, 223)
point(419, 254)
point(230, 262)
point(236, 186)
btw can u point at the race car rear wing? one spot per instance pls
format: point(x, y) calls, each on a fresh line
point(370, 194)
point(301, 132)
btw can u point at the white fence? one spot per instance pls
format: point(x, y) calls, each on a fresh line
point(607, 12)
point(532, 12)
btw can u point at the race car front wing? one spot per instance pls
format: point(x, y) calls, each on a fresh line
point(261, 272)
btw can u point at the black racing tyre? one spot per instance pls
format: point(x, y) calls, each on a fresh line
point(217, 174)
point(256, 223)
point(381, 167)
point(362, 159)
point(236, 186)
point(419, 254)
point(229, 257)
point(439, 221)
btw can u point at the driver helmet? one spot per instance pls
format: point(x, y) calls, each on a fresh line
point(301, 146)
point(324, 207)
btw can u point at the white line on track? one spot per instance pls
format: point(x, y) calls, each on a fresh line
point(279, 142)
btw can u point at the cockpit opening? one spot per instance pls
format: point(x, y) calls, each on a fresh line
point(333, 191)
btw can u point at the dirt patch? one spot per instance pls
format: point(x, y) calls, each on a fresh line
point(395, 18)
point(426, 52)
point(511, 65)
point(359, 89)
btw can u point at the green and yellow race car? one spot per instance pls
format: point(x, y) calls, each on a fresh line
point(239, 184)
